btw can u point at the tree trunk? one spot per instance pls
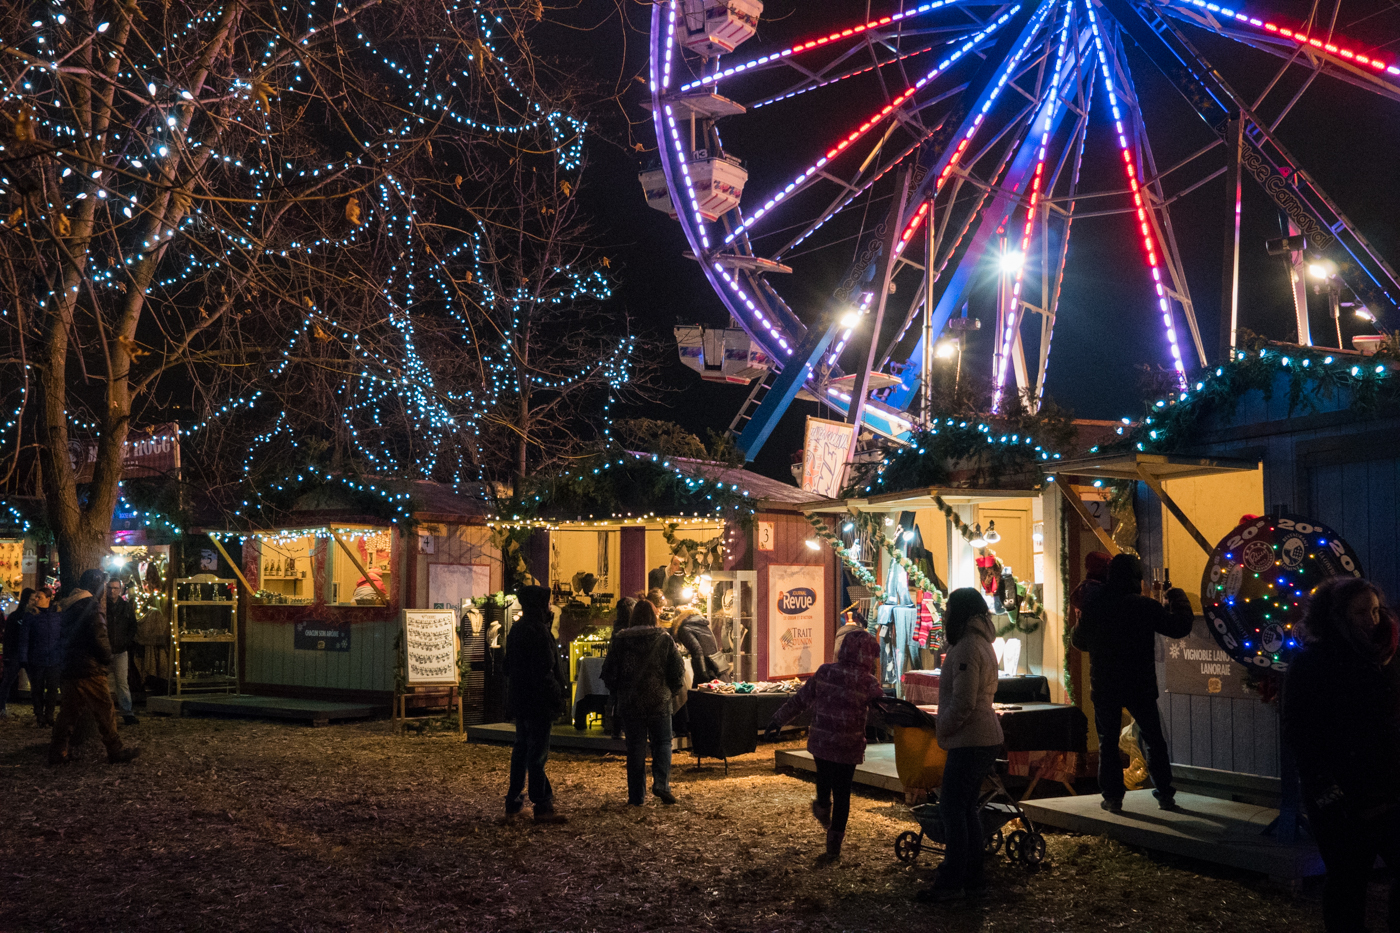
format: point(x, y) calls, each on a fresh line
point(80, 550)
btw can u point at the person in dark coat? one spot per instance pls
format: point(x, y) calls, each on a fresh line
point(85, 652)
point(839, 695)
point(41, 633)
point(693, 633)
point(121, 630)
point(14, 648)
point(535, 697)
point(1095, 576)
point(1119, 628)
point(669, 580)
point(1341, 718)
point(621, 621)
point(643, 670)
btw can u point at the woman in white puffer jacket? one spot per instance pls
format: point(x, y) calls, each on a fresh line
point(968, 729)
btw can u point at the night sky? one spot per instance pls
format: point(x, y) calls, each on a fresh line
point(1108, 325)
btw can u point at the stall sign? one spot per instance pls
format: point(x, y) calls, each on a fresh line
point(824, 456)
point(430, 646)
point(1197, 666)
point(28, 562)
point(765, 536)
point(321, 635)
point(796, 619)
point(148, 452)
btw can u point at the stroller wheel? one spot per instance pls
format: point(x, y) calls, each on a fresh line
point(994, 842)
point(907, 846)
point(1014, 843)
point(1033, 849)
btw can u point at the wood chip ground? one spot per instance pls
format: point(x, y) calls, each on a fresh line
point(228, 825)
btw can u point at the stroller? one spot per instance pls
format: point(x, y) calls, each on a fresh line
point(919, 762)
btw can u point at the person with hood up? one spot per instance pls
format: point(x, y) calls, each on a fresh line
point(1119, 628)
point(643, 670)
point(41, 633)
point(1341, 718)
point(693, 633)
point(969, 731)
point(85, 653)
point(855, 622)
point(839, 695)
point(1095, 576)
point(534, 696)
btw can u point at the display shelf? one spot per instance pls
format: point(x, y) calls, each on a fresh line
point(189, 632)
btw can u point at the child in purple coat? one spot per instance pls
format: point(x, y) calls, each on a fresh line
point(839, 695)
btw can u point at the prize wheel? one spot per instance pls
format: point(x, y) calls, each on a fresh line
point(798, 152)
point(1257, 581)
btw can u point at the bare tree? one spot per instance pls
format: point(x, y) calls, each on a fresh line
point(307, 219)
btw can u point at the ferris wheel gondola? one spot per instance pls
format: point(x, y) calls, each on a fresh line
point(972, 146)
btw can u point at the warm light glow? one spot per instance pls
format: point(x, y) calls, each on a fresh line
point(945, 349)
point(850, 319)
point(687, 593)
point(812, 543)
point(1365, 315)
point(1012, 261)
point(706, 585)
point(993, 536)
point(1323, 269)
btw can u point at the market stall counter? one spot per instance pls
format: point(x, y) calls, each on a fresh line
point(921, 688)
point(726, 724)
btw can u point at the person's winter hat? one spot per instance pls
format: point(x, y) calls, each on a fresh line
point(1096, 565)
point(534, 601)
point(1125, 572)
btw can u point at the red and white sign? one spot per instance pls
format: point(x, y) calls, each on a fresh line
point(148, 452)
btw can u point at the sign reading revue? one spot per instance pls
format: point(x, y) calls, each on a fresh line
point(796, 619)
point(430, 646)
point(1197, 666)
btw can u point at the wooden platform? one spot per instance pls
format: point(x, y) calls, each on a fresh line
point(315, 712)
point(1224, 832)
point(593, 739)
point(877, 771)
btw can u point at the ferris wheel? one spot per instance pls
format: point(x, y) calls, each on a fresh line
point(923, 151)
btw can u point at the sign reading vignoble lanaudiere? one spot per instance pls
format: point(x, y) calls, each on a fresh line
point(796, 619)
point(1197, 666)
point(430, 646)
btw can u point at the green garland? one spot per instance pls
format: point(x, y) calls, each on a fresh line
point(696, 557)
point(916, 576)
point(857, 569)
point(1308, 374)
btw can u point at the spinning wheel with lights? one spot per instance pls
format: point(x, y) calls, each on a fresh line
point(941, 144)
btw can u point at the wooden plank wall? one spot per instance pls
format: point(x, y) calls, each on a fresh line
point(368, 665)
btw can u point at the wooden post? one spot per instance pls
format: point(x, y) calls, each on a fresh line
point(1155, 485)
point(236, 572)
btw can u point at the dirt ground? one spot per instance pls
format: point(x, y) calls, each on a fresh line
point(235, 825)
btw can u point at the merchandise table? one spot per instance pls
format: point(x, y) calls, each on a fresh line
point(723, 725)
point(921, 688)
point(1043, 740)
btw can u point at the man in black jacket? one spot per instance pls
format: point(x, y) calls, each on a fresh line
point(535, 695)
point(1118, 628)
point(84, 656)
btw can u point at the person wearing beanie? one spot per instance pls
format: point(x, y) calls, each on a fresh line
point(85, 653)
point(839, 695)
point(534, 696)
point(970, 732)
point(1119, 628)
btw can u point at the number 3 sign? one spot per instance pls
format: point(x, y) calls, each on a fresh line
point(765, 536)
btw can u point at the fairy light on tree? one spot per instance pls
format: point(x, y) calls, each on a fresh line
point(298, 216)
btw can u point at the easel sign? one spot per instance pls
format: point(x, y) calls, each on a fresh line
point(430, 651)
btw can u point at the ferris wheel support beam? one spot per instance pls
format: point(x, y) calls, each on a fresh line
point(1329, 232)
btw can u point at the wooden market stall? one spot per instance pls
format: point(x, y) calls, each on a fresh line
point(322, 594)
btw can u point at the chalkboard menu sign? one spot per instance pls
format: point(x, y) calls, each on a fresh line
point(321, 635)
point(430, 646)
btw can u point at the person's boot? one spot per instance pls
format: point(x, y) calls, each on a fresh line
point(122, 756)
point(832, 855)
point(822, 814)
point(664, 795)
point(547, 814)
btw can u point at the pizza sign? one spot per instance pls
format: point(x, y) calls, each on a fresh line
point(1257, 581)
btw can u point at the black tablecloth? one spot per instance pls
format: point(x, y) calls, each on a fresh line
point(1030, 688)
point(724, 725)
point(1052, 727)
